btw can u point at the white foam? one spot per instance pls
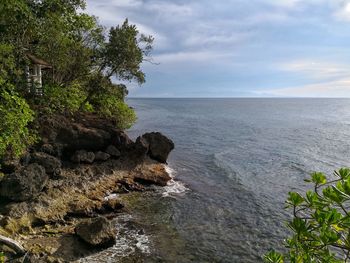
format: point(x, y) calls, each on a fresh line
point(128, 241)
point(174, 187)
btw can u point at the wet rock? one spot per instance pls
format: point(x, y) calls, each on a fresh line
point(102, 156)
point(51, 164)
point(113, 151)
point(159, 146)
point(111, 205)
point(25, 184)
point(83, 156)
point(97, 232)
point(155, 174)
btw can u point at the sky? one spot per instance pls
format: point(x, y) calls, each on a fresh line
point(239, 48)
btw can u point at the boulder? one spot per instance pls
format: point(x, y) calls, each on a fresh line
point(97, 232)
point(159, 146)
point(113, 151)
point(153, 174)
point(83, 156)
point(121, 140)
point(25, 184)
point(51, 164)
point(102, 156)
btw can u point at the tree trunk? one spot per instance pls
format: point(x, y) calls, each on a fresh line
point(17, 247)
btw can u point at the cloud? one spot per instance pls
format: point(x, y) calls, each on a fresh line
point(333, 89)
point(317, 69)
point(343, 13)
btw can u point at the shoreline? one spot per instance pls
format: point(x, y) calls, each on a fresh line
point(76, 190)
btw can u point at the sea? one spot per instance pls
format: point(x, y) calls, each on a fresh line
point(234, 162)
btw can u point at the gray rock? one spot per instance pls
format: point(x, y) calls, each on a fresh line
point(113, 151)
point(51, 164)
point(83, 156)
point(25, 184)
point(159, 146)
point(102, 156)
point(97, 232)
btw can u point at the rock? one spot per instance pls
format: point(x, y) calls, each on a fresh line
point(9, 165)
point(113, 151)
point(102, 156)
point(159, 146)
point(83, 156)
point(97, 232)
point(25, 184)
point(121, 140)
point(111, 205)
point(153, 174)
point(51, 164)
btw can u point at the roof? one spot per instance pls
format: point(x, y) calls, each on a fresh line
point(38, 61)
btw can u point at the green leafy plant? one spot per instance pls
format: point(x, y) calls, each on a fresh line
point(15, 115)
point(320, 223)
point(2, 257)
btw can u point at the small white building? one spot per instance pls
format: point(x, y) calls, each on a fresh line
point(34, 74)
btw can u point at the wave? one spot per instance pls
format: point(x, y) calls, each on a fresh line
point(174, 187)
point(130, 240)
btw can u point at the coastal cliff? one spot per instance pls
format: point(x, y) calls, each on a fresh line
point(60, 198)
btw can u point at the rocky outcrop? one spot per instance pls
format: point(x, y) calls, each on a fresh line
point(81, 169)
point(51, 164)
point(159, 146)
point(25, 184)
point(154, 174)
point(83, 156)
point(113, 151)
point(97, 232)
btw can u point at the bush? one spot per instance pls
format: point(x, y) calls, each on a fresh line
point(320, 223)
point(64, 99)
point(2, 257)
point(15, 115)
point(118, 110)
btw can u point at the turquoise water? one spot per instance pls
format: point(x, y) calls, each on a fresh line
point(238, 158)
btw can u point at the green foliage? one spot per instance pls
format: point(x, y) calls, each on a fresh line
point(15, 115)
point(64, 99)
point(83, 62)
point(2, 257)
point(320, 223)
point(123, 115)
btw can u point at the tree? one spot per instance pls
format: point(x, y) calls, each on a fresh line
point(320, 223)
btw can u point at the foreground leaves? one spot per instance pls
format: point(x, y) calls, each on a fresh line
point(320, 223)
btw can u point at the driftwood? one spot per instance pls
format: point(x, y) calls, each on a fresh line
point(17, 247)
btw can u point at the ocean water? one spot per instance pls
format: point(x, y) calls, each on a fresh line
point(235, 161)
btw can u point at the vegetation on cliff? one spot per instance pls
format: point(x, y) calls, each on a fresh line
point(81, 58)
point(320, 222)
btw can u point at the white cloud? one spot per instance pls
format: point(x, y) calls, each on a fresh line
point(335, 89)
point(197, 56)
point(344, 12)
point(317, 69)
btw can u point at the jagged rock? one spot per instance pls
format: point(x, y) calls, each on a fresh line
point(102, 156)
point(97, 232)
point(83, 156)
point(25, 184)
point(155, 174)
point(51, 164)
point(159, 146)
point(113, 151)
point(121, 140)
point(111, 205)
point(9, 165)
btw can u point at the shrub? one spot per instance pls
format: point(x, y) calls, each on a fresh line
point(15, 115)
point(64, 99)
point(118, 110)
point(2, 257)
point(320, 223)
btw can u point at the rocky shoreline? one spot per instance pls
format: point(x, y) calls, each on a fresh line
point(60, 199)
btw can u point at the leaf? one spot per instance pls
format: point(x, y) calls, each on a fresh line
point(318, 178)
point(295, 198)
